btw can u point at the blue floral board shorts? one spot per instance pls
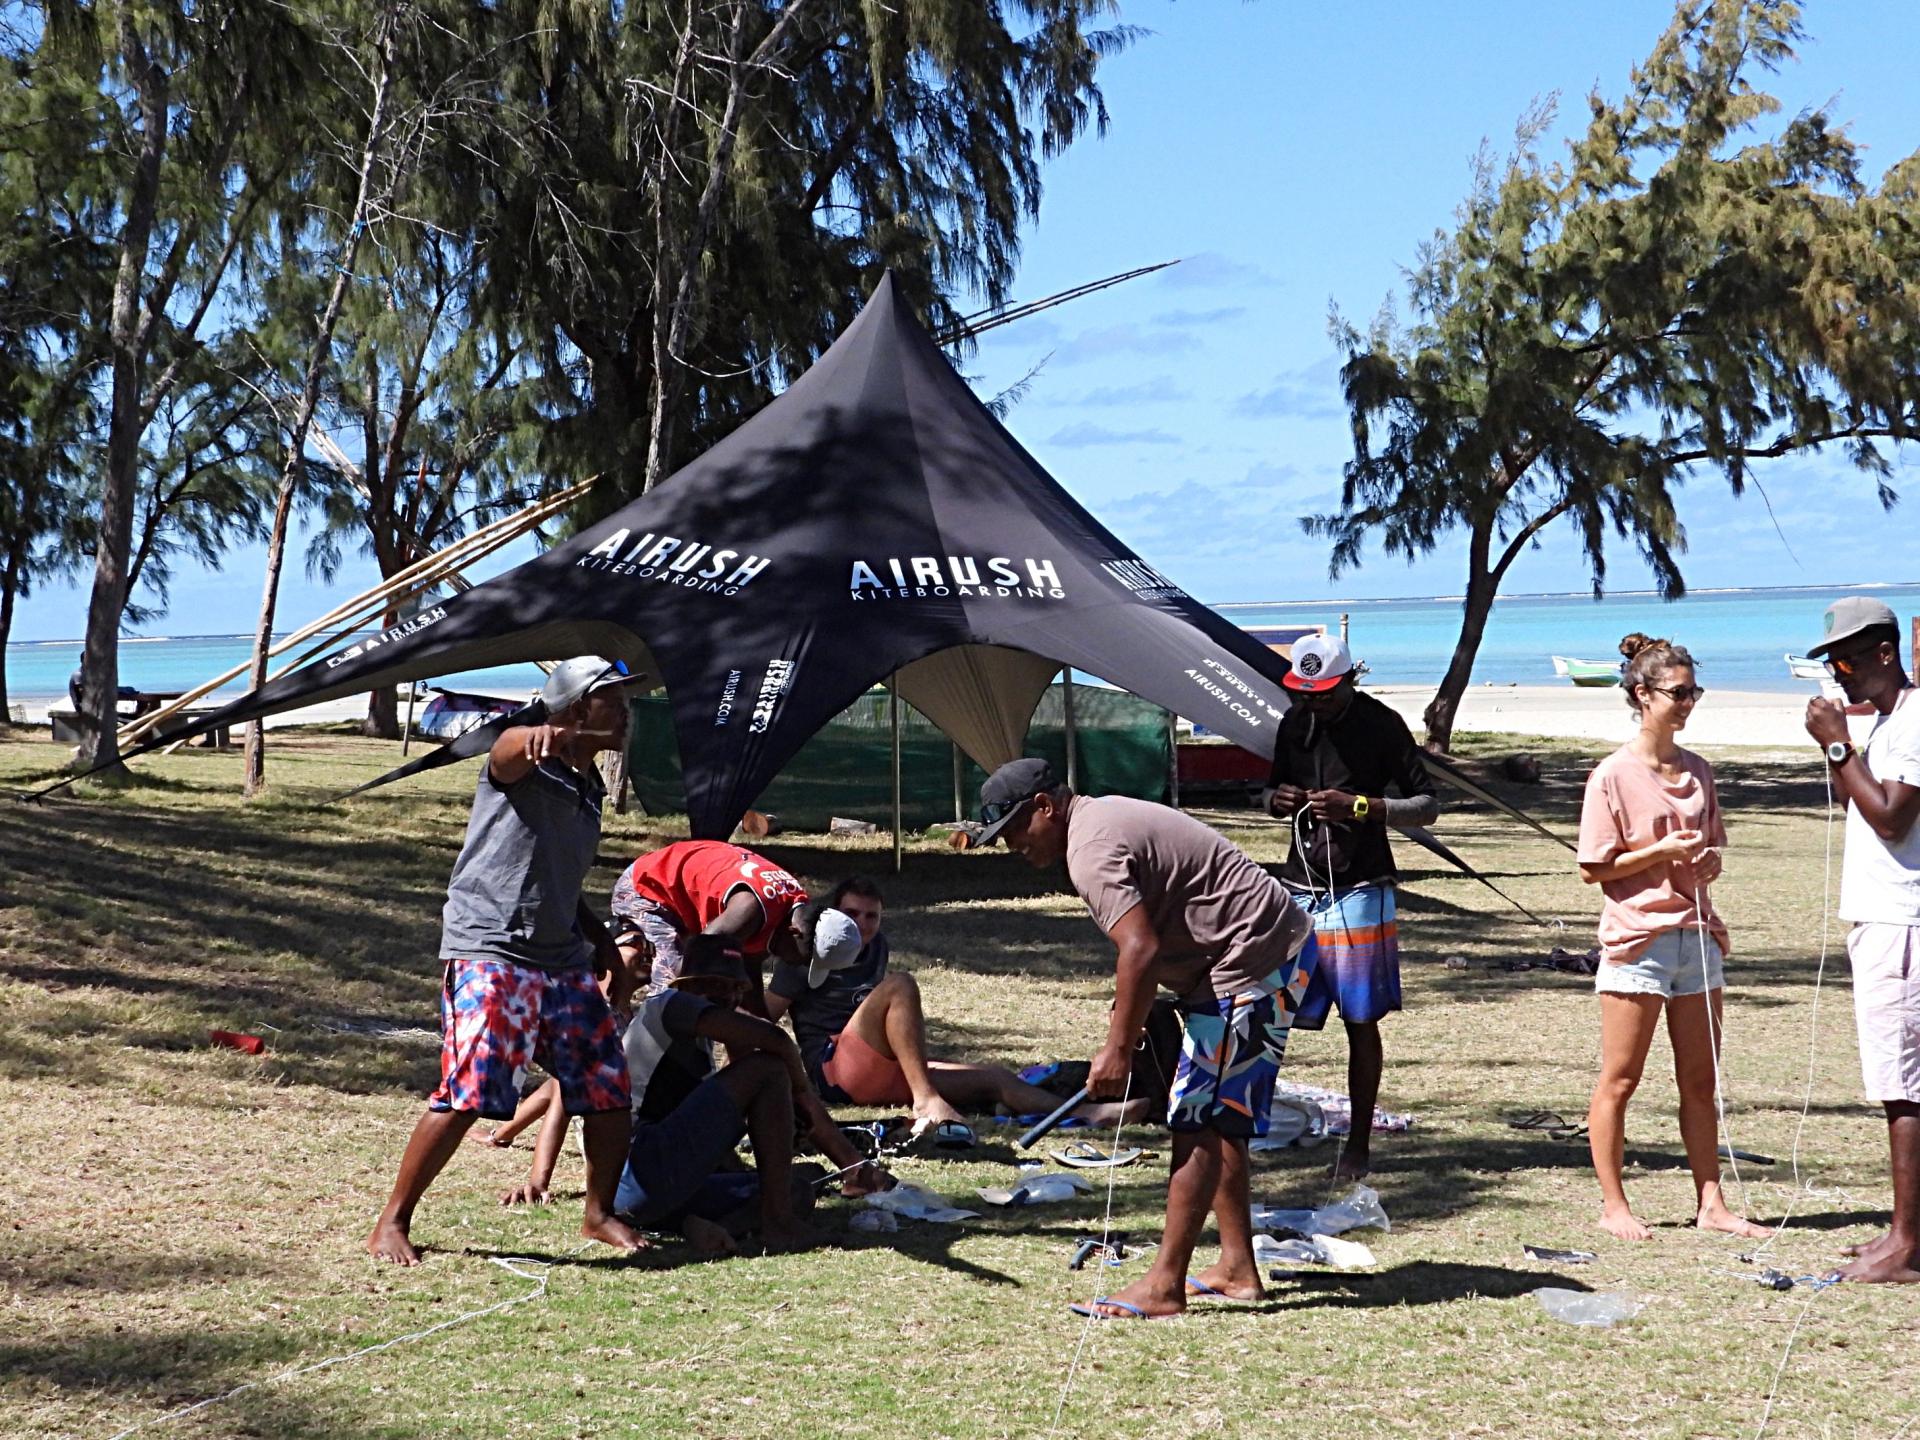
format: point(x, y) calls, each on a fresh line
point(496, 1018)
point(1231, 1050)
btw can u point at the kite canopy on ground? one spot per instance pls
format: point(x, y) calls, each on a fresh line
point(874, 519)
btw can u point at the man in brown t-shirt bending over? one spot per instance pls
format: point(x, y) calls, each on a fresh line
point(1187, 910)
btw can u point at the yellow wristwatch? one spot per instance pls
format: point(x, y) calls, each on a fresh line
point(1360, 807)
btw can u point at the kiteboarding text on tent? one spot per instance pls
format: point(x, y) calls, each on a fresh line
point(960, 576)
point(1142, 579)
point(672, 560)
point(411, 626)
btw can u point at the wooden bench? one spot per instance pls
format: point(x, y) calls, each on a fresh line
point(66, 728)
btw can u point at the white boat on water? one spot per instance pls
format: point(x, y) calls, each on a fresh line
point(1801, 668)
point(1587, 672)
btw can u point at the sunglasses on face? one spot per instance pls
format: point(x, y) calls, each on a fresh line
point(1838, 665)
point(1681, 694)
point(994, 811)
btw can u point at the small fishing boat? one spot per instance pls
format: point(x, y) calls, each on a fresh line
point(1587, 672)
point(1801, 668)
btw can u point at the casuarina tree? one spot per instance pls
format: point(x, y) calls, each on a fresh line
point(1676, 296)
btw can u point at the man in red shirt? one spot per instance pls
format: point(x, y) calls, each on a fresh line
point(696, 888)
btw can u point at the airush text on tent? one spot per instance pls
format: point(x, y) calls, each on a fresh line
point(672, 560)
point(921, 577)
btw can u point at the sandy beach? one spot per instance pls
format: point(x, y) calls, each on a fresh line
point(1773, 719)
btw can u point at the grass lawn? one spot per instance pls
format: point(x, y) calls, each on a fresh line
point(180, 1220)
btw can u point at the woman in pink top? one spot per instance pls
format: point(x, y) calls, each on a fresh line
point(1651, 838)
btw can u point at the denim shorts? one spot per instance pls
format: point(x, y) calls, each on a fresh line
point(1669, 966)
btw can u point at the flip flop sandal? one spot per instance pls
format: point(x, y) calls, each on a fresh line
point(1200, 1290)
point(1556, 1126)
point(1133, 1312)
point(947, 1135)
point(1083, 1156)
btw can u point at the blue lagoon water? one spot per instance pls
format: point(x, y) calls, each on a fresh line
point(1738, 637)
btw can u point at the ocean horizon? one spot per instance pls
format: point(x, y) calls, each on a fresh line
point(1739, 636)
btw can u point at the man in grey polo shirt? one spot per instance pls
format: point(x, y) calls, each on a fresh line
point(521, 953)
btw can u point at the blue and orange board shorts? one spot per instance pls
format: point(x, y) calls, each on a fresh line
point(496, 1018)
point(1359, 974)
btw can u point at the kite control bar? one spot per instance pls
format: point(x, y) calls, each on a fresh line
point(1039, 1131)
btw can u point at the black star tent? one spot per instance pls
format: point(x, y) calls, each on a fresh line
point(874, 520)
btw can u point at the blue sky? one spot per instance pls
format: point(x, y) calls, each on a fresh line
point(1297, 155)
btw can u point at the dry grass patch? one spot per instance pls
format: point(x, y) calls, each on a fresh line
point(180, 1220)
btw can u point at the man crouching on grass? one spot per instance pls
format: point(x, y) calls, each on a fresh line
point(1188, 910)
point(521, 953)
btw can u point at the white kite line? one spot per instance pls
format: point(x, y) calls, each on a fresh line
point(509, 1263)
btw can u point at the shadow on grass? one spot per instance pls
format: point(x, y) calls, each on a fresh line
point(176, 1367)
point(1418, 1282)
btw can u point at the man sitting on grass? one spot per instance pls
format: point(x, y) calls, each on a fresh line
point(1187, 910)
point(687, 1118)
point(863, 1034)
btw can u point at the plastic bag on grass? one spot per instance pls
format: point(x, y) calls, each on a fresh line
point(1358, 1209)
point(1040, 1190)
point(912, 1203)
point(1578, 1307)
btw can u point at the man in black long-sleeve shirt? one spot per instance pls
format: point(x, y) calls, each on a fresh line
point(1337, 754)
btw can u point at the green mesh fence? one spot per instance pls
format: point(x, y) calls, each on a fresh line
point(1120, 744)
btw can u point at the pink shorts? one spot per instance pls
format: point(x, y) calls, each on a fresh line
point(863, 1074)
point(1886, 1007)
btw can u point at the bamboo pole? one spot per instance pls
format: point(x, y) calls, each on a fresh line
point(429, 570)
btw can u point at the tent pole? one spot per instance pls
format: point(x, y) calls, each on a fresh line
point(406, 735)
point(1173, 759)
point(1066, 717)
point(893, 725)
point(959, 800)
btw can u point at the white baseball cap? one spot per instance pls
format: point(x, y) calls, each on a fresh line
point(1319, 663)
point(836, 945)
point(574, 679)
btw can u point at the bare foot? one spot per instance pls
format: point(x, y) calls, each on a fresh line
point(615, 1232)
point(1221, 1281)
point(1352, 1164)
point(935, 1111)
point(1624, 1225)
point(477, 1136)
point(389, 1242)
point(1144, 1297)
point(1871, 1249)
point(790, 1238)
point(1886, 1269)
point(1725, 1222)
point(709, 1241)
point(527, 1194)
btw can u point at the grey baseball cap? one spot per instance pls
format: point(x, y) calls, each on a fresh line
point(581, 676)
point(1848, 616)
point(836, 945)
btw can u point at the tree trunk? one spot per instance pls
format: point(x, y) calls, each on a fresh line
point(383, 708)
point(9, 583)
point(1482, 585)
point(98, 716)
point(256, 747)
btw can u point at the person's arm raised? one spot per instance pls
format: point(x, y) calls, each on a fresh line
point(1889, 807)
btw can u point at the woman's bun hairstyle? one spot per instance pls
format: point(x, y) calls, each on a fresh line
point(1647, 659)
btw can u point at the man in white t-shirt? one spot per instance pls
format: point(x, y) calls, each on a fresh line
point(1880, 895)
